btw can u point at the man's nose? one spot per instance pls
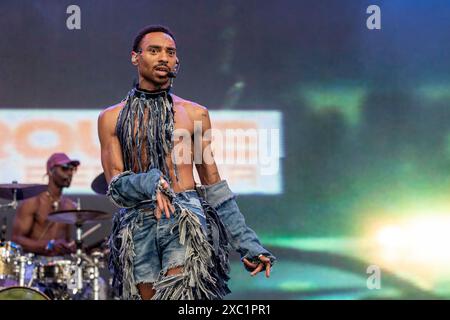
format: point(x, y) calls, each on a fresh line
point(163, 57)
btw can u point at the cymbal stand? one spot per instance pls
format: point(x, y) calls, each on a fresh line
point(79, 246)
point(95, 284)
point(22, 270)
point(13, 204)
point(3, 231)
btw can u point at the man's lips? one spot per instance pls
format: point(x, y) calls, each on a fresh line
point(161, 68)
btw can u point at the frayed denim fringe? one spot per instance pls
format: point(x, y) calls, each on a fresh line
point(206, 266)
point(145, 128)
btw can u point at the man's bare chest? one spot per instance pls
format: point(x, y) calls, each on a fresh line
point(46, 208)
point(182, 120)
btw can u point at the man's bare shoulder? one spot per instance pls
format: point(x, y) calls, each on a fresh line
point(112, 111)
point(31, 203)
point(191, 107)
point(108, 117)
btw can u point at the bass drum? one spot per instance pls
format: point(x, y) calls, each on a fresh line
point(21, 293)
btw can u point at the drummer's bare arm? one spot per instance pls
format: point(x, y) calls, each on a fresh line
point(22, 227)
point(111, 152)
point(207, 169)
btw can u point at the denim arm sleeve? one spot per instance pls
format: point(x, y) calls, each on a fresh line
point(243, 239)
point(128, 189)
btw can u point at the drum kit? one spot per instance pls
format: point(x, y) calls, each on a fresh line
point(26, 276)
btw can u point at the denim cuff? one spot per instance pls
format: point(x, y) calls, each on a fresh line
point(253, 257)
point(216, 194)
point(128, 189)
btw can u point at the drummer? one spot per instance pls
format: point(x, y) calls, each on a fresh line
point(31, 229)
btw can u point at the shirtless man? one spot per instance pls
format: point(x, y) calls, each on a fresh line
point(31, 229)
point(137, 175)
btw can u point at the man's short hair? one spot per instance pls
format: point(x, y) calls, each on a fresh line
point(149, 29)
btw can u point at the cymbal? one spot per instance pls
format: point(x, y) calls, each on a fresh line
point(78, 216)
point(24, 191)
point(99, 184)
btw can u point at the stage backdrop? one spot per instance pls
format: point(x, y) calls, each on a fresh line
point(362, 155)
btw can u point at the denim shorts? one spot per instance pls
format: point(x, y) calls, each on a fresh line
point(156, 243)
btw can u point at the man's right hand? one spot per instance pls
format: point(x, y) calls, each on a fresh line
point(62, 247)
point(163, 202)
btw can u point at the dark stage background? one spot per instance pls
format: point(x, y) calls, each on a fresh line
point(366, 131)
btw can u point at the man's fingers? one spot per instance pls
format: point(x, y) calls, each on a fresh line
point(163, 204)
point(166, 207)
point(249, 264)
point(159, 206)
point(159, 201)
point(268, 269)
point(164, 183)
point(266, 261)
point(157, 213)
point(258, 269)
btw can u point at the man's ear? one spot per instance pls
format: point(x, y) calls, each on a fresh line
point(134, 58)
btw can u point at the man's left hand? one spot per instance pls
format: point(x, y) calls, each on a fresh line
point(258, 267)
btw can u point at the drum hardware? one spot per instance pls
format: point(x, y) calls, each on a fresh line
point(79, 245)
point(94, 262)
point(22, 293)
point(99, 185)
point(33, 273)
point(18, 191)
point(3, 231)
point(22, 264)
point(78, 218)
point(29, 279)
point(96, 276)
point(57, 279)
point(9, 252)
point(87, 233)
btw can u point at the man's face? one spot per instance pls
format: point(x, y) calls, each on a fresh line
point(62, 175)
point(158, 56)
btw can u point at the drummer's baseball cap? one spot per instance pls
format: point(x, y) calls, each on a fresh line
point(58, 159)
